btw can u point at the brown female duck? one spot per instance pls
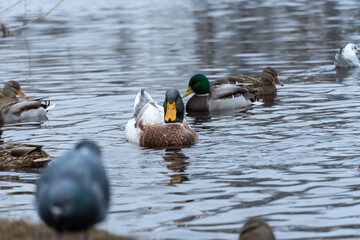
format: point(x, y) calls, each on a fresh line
point(17, 155)
point(156, 126)
point(260, 87)
point(9, 92)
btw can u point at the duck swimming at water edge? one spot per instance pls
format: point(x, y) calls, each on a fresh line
point(22, 156)
point(12, 110)
point(159, 126)
point(346, 57)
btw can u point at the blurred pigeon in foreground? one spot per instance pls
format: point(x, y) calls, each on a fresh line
point(73, 191)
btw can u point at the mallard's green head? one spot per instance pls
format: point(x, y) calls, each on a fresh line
point(199, 84)
point(269, 76)
point(173, 107)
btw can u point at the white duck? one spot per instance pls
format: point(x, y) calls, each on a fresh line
point(160, 126)
point(145, 106)
point(346, 57)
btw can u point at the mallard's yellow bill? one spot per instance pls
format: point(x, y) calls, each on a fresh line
point(21, 94)
point(188, 91)
point(276, 80)
point(170, 115)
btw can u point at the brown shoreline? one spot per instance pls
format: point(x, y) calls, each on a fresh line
point(21, 230)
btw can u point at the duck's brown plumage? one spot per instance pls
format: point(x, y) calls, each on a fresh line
point(168, 135)
point(256, 229)
point(260, 87)
point(17, 155)
point(10, 91)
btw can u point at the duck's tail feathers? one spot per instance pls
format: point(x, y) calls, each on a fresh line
point(251, 96)
point(142, 97)
point(47, 105)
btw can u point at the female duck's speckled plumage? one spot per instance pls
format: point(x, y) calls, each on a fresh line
point(260, 87)
point(17, 155)
point(218, 96)
point(155, 126)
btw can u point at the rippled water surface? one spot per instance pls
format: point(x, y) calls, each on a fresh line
point(292, 161)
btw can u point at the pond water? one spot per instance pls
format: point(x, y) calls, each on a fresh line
point(292, 162)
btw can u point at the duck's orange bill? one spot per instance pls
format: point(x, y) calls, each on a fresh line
point(21, 94)
point(276, 81)
point(188, 92)
point(170, 115)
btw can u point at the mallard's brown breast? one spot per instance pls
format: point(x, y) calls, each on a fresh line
point(168, 135)
point(198, 104)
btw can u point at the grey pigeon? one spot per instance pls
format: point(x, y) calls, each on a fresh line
point(73, 191)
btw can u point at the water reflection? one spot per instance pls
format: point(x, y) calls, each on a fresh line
point(199, 117)
point(304, 141)
point(178, 164)
point(269, 100)
point(16, 179)
point(347, 76)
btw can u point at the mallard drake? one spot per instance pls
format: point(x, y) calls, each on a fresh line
point(156, 126)
point(260, 87)
point(12, 110)
point(346, 57)
point(218, 96)
point(17, 155)
point(256, 229)
point(73, 191)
